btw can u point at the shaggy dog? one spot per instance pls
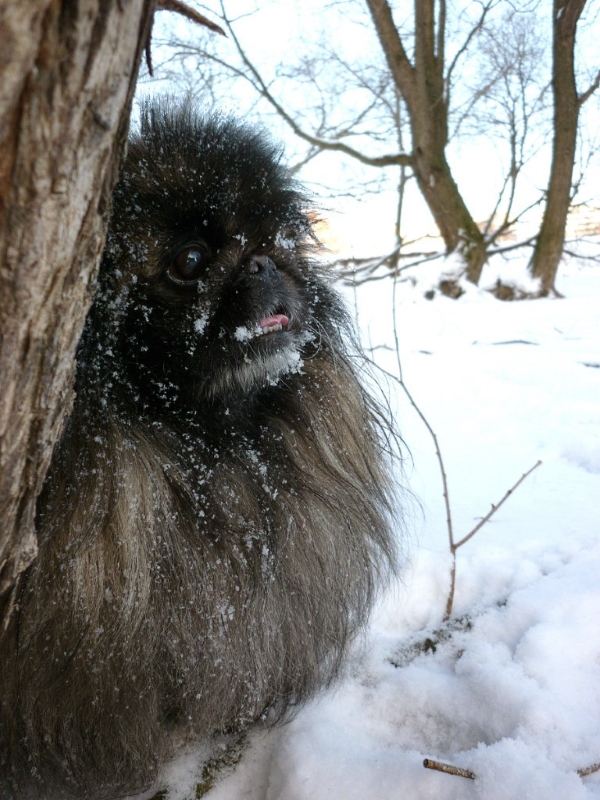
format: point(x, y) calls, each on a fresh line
point(217, 514)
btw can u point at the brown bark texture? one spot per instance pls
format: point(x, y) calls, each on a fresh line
point(422, 85)
point(551, 238)
point(67, 76)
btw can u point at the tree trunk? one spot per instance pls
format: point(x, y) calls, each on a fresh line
point(67, 75)
point(423, 88)
point(551, 238)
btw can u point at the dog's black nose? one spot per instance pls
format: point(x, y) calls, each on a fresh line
point(259, 263)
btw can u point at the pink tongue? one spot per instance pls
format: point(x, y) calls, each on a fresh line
point(276, 319)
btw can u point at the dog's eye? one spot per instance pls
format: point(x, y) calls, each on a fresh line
point(189, 264)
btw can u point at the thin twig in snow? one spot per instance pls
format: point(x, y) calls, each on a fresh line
point(495, 508)
point(589, 770)
point(424, 420)
point(399, 379)
point(449, 769)
point(455, 545)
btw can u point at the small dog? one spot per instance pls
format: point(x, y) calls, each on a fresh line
point(217, 514)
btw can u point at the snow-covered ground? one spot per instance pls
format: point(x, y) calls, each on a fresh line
point(511, 688)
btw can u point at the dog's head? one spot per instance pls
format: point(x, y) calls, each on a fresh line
point(208, 288)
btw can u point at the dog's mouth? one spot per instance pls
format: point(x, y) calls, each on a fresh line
point(261, 350)
point(267, 326)
point(273, 323)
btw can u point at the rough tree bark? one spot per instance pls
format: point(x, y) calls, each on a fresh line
point(67, 75)
point(422, 85)
point(551, 238)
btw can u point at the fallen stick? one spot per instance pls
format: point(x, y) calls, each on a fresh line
point(429, 763)
point(588, 770)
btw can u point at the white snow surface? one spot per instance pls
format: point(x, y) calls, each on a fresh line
point(512, 689)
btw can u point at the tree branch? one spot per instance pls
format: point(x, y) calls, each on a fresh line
point(393, 49)
point(189, 13)
point(589, 91)
point(401, 159)
point(464, 47)
point(495, 508)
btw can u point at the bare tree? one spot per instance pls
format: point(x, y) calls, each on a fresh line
point(567, 105)
point(423, 83)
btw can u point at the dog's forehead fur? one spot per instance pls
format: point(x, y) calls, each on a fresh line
point(218, 175)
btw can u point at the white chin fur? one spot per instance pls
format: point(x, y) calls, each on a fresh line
point(259, 370)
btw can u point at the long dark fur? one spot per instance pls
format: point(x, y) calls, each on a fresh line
point(216, 517)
